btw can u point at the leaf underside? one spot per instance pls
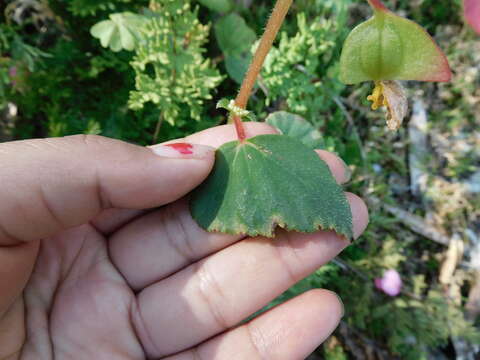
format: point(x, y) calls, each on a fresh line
point(269, 181)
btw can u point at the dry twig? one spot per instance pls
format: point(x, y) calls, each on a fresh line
point(414, 222)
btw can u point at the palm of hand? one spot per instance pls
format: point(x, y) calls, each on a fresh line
point(79, 305)
point(135, 285)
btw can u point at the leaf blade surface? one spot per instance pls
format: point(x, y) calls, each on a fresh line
point(270, 181)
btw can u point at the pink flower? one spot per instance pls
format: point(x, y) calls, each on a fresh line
point(12, 72)
point(472, 13)
point(390, 283)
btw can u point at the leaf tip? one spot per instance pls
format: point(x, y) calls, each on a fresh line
point(444, 75)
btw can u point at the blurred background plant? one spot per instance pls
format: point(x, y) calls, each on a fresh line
point(147, 71)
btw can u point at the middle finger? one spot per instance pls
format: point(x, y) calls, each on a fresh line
point(216, 293)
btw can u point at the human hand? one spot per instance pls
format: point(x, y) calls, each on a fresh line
point(87, 273)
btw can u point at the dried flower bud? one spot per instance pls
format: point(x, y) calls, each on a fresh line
point(391, 94)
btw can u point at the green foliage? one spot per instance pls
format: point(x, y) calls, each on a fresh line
point(122, 31)
point(296, 127)
point(17, 60)
point(260, 183)
point(337, 353)
point(84, 8)
point(236, 49)
point(59, 98)
point(170, 70)
point(302, 70)
point(234, 110)
point(420, 319)
point(221, 6)
point(243, 39)
point(420, 323)
point(4, 81)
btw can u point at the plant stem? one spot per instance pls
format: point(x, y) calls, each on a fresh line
point(377, 4)
point(157, 129)
point(271, 31)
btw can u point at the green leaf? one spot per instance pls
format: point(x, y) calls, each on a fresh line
point(221, 6)
point(250, 116)
point(237, 66)
point(234, 36)
point(236, 48)
point(122, 31)
point(171, 70)
point(389, 47)
point(224, 103)
point(234, 110)
point(296, 127)
point(269, 181)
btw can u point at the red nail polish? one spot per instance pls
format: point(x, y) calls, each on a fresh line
point(182, 148)
point(182, 151)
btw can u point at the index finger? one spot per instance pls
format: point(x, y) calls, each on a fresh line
point(112, 219)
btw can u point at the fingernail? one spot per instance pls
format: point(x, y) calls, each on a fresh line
point(183, 151)
point(342, 243)
point(347, 175)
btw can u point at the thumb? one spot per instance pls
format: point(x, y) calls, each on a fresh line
point(53, 184)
